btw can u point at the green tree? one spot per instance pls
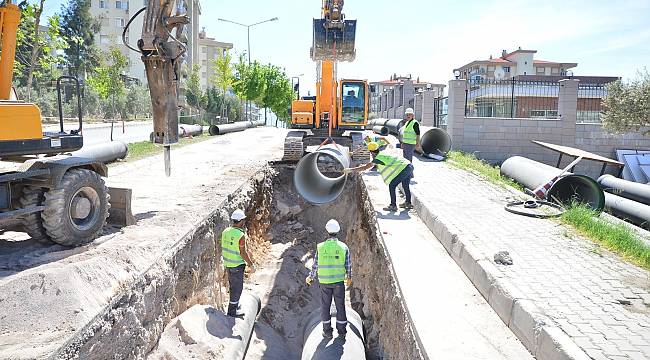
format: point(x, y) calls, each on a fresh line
point(278, 92)
point(193, 94)
point(223, 75)
point(36, 56)
point(108, 79)
point(250, 82)
point(627, 105)
point(79, 29)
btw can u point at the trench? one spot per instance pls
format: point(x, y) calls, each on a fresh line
point(283, 232)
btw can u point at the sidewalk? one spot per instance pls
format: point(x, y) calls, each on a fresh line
point(560, 297)
point(451, 318)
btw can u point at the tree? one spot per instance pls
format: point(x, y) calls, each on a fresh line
point(626, 107)
point(36, 56)
point(193, 94)
point(79, 29)
point(108, 79)
point(223, 75)
point(249, 83)
point(278, 92)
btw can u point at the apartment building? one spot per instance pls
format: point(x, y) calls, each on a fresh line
point(209, 50)
point(115, 14)
point(390, 98)
point(512, 64)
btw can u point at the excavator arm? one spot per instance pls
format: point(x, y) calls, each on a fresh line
point(333, 36)
point(162, 56)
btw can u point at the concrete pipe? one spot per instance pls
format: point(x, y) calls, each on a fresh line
point(627, 189)
point(628, 210)
point(381, 130)
point(435, 141)
point(228, 128)
point(567, 189)
point(104, 152)
point(316, 347)
point(257, 123)
point(185, 130)
point(393, 126)
point(376, 122)
point(312, 184)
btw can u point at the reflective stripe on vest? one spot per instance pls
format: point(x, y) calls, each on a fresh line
point(393, 166)
point(409, 136)
point(331, 261)
point(230, 247)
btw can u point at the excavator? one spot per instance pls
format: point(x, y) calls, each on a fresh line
point(339, 107)
point(46, 192)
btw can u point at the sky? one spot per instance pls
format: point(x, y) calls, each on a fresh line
point(429, 38)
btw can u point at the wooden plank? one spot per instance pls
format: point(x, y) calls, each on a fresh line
point(567, 150)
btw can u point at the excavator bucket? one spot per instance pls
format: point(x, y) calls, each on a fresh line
point(334, 42)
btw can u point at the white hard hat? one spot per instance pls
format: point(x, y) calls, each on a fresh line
point(238, 215)
point(332, 226)
point(409, 111)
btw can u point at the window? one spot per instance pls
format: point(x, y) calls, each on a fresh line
point(121, 4)
point(104, 39)
point(544, 114)
point(354, 102)
point(119, 22)
point(541, 70)
point(555, 71)
point(204, 50)
point(506, 69)
point(103, 4)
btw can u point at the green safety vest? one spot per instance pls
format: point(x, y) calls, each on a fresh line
point(331, 261)
point(409, 136)
point(230, 247)
point(394, 166)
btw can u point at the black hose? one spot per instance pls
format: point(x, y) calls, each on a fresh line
point(512, 207)
point(126, 29)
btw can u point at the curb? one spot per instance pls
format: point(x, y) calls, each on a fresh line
point(538, 333)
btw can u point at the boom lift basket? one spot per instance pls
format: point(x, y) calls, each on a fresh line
point(328, 39)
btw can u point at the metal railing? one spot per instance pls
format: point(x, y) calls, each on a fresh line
point(590, 103)
point(511, 99)
point(440, 108)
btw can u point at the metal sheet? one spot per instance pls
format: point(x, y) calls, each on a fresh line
point(567, 150)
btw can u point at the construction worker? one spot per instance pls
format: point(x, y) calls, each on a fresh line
point(235, 258)
point(410, 135)
point(333, 268)
point(394, 170)
point(382, 141)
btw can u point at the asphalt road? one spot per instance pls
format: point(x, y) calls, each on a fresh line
point(98, 133)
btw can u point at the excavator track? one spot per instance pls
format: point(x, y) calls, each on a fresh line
point(294, 147)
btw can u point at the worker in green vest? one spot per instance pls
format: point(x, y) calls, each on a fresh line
point(333, 267)
point(394, 170)
point(410, 135)
point(235, 257)
point(382, 141)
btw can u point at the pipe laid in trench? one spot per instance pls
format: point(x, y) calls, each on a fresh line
point(567, 189)
point(104, 152)
point(312, 184)
point(381, 130)
point(627, 189)
point(337, 348)
point(629, 210)
point(250, 305)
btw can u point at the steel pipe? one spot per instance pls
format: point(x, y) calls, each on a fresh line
point(349, 348)
point(627, 189)
point(381, 130)
point(312, 184)
point(186, 130)
point(628, 210)
point(567, 189)
point(103, 152)
point(228, 128)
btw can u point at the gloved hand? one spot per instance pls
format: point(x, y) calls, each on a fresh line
point(309, 280)
point(348, 281)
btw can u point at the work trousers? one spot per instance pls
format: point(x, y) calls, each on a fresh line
point(407, 151)
point(336, 291)
point(403, 178)
point(236, 286)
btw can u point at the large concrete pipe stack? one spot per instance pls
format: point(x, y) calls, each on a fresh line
point(349, 348)
point(104, 152)
point(568, 188)
point(627, 200)
point(312, 184)
point(381, 130)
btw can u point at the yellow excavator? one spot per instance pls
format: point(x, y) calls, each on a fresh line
point(339, 111)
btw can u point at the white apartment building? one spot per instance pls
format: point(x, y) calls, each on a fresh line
point(209, 50)
point(517, 63)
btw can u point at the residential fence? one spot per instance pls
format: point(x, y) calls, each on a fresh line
point(511, 99)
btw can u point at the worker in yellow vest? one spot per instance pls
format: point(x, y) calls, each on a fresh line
point(333, 267)
point(235, 258)
point(394, 170)
point(410, 135)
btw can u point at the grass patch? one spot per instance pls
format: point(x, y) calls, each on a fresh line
point(469, 162)
point(615, 237)
point(143, 149)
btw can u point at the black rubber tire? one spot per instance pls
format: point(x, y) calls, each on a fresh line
point(56, 219)
point(32, 223)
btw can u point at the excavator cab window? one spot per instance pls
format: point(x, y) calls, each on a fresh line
point(354, 101)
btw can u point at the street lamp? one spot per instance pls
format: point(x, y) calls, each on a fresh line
point(248, 34)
